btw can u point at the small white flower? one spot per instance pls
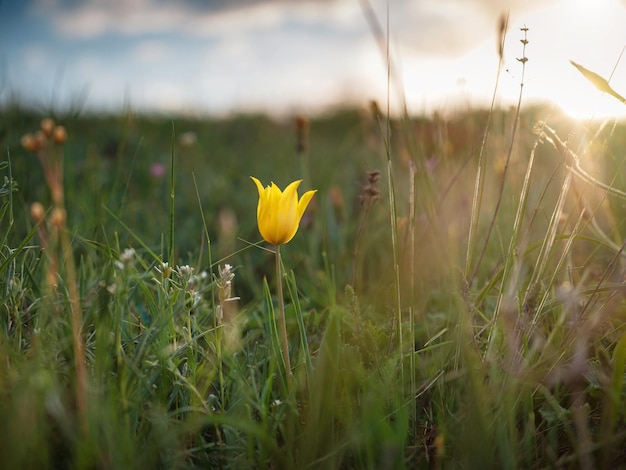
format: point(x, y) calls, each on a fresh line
point(164, 270)
point(126, 259)
point(185, 269)
point(127, 255)
point(193, 299)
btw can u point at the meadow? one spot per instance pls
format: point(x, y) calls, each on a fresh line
point(453, 297)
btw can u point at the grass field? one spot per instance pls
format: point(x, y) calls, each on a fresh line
point(454, 295)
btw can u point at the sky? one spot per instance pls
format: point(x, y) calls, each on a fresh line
point(307, 56)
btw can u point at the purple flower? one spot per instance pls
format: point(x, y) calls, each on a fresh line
point(157, 170)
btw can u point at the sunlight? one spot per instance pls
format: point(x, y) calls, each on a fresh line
point(590, 95)
point(583, 6)
point(590, 104)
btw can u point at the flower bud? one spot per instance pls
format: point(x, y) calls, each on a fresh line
point(41, 139)
point(47, 126)
point(30, 143)
point(37, 211)
point(58, 217)
point(59, 135)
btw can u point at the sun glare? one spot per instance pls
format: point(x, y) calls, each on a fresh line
point(583, 5)
point(592, 105)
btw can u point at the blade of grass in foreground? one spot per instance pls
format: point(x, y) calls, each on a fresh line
point(273, 333)
point(599, 82)
point(172, 180)
point(479, 182)
point(295, 301)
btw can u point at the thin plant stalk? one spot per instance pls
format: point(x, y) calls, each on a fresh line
point(77, 320)
point(170, 251)
point(52, 164)
point(281, 316)
point(383, 41)
point(511, 259)
point(412, 277)
point(357, 239)
point(172, 195)
point(479, 184)
point(216, 325)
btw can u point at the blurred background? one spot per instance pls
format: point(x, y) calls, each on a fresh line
point(285, 57)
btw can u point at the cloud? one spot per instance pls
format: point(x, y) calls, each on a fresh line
point(240, 54)
point(428, 27)
point(137, 17)
point(151, 52)
point(36, 58)
point(96, 18)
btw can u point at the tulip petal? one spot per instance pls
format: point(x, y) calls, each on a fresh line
point(304, 202)
point(279, 212)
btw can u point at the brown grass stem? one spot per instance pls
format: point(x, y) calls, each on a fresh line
point(77, 320)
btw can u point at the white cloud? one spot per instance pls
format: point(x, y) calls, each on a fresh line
point(36, 58)
point(311, 53)
point(126, 17)
point(151, 52)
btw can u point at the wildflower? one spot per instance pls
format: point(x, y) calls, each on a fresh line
point(127, 255)
point(188, 139)
point(278, 212)
point(58, 217)
point(157, 170)
point(192, 299)
point(278, 217)
point(164, 270)
point(184, 271)
point(31, 143)
point(224, 284)
point(126, 259)
point(47, 126)
point(59, 135)
point(37, 211)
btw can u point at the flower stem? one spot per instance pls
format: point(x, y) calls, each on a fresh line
point(281, 316)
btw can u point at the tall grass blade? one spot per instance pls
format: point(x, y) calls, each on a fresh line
point(274, 335)
point(479, 181)
point(295, 301)
point(170, 250)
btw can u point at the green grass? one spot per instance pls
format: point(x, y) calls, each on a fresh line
point(411, 364)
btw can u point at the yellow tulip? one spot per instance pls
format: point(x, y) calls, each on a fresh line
point(279, 212)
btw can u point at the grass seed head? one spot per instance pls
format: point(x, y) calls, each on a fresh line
point(370, 193)
point(302, 133)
